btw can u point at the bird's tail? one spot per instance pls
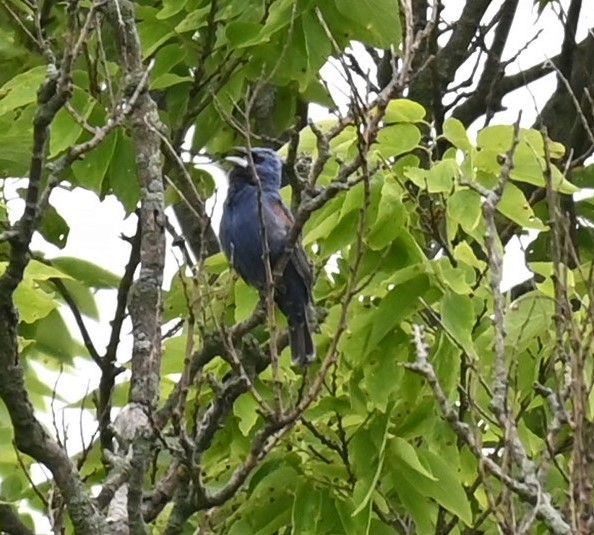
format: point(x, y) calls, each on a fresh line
point(303, 351)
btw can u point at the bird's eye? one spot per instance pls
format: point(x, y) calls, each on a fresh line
point(256, 157)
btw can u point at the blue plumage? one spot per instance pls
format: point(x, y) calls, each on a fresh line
point(241, 241)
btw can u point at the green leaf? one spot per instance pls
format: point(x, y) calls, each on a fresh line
point(384, 422)
point(399, 303)
point(196, 19)
point(402, 450)
point(246, 409)
point(455, 133)
point(174, 352)
point(377, 22)
point(439, 179)
point(583, 177)
point(447, 363)
point(12, 487)
point(21, 89)
point(246, 298)
point(397, 139)
point(15, 152)
point(122, 174)
point(170, 8)
point(65, 131)
point(166, 58)
point(391, 217)
point(32, 302)
point(42, 272)
point(52, 340)
point(402, 110)
point(497, 137)
point(423, 512)
point(513, 204)
point(153, 33)
point(457, 315)
point(87, 272)
point(448, 491)
point(528, 318)
point(90, 171)
point(168, 79)
point(243, 34)
point(352, 525)
point(307, 509)
point(53, 227)
point(464, 207)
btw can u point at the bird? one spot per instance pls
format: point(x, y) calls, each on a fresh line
point(241, 240)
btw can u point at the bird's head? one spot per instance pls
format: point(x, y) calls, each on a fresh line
point(266, 164)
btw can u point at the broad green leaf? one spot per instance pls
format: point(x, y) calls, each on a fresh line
point(397, 139)
point(174, 352)
point(170, 8)
point(402, 110)
point(90, 171)
point(323, 229)
point(122, 173)
point(15, 152)
point(383, 368)
point(391, 217)
point(457, 315)
point(246, 409)
point(243, 34)
point(375, 22)
point(53, 343)
point(12, 486)
point(153, 33)
point(352, 525)
point(22, 89)
point(53, 227)
point(41, 272)
point(402, 450)
point(166, 59)
point(529, 317)
point(464, 253)
point(513, 205)
point(65, 131)
point(583, 177)
point(307, 509)
point(384, 422)
point(87, 272)
point(464, 207)
point(497, 137)
point(422, 511)
point(446, 360)
point(399, 304)
point(176, 299)
point(442, 176)
point(455, 133)
point(216, 263)
point(168, 79)
point(32, 302)
point(196, 19)
point(447, 490)
point(246, 298)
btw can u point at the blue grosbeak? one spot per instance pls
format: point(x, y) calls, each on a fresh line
point(241, 240)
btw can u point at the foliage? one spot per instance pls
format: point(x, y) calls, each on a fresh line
point(440, 402)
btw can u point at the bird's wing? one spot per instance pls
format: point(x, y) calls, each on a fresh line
point(298, 259)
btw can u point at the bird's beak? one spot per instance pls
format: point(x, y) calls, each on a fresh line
point(238, 156)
